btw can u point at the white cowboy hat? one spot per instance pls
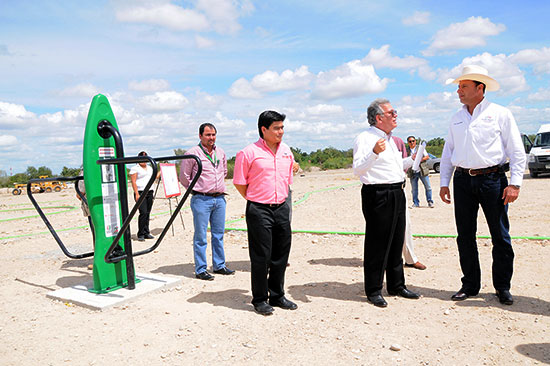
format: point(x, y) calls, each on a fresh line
point(476, 73)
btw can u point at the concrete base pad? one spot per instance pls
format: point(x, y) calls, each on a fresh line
point(80, 295)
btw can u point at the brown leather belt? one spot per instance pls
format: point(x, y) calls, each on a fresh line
point(483, 171)
point(213, 194)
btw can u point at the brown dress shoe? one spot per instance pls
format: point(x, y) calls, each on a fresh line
point(416, 265)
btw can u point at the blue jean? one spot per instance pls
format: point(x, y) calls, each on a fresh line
point(206, 210)
point(485, 191)
point(414, 188)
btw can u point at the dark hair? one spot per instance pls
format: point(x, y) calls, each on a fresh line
point(142, 153)
point(374, 109)
point(201, 127)
point(267, 118)
point(410, 137)
point(479, 82)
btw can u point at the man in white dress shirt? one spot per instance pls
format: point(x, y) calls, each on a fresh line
point(380, 167)
point(482, 137)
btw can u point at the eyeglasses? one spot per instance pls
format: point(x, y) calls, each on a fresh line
point(411, 141)
point(393, 113)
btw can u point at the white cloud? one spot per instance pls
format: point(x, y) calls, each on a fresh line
point(468, 34)
point(540, 59)
point(203, 42)
point(222, 16)
point(168, 101)
point(242, 89)
point(322, 109)
point(425, 116)
point(541, 95)
point(203, 101)
point(382, 57)
point(351, 79)
point(271, 81)
point(164, 14)
point(151, 85)
point(80, 90)
point(7, 141)
point(418, 17)
point(501, 68)
point(228, 126)
point(15, 116)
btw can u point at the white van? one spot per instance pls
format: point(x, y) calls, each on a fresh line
point(539, 151)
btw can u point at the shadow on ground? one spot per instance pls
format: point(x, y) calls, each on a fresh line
point(536, 351)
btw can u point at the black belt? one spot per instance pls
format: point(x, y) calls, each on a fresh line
point(213, 194)
point(270, 205)
point(381, 187)
point(483, 171)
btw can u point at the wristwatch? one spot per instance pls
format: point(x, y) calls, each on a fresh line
point(513, 185)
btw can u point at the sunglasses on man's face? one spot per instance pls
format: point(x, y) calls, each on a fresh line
point(410, 141)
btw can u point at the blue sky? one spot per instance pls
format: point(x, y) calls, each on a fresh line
point(168, 66)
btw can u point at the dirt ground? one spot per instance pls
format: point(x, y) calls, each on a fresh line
point(214, 322)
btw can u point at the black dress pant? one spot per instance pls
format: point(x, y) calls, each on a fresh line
point(144, 214)
point(469, 194)
point(269, 238)
point(384, 208)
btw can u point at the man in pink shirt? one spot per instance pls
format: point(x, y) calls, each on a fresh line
point(208, 201)
point(262, 175)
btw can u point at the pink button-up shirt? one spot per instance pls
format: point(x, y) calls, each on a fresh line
point(212, 177)
point(266, 175)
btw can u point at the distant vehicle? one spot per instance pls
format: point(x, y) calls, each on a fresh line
point(433, 163)
point(39, 187)
point(538, 159)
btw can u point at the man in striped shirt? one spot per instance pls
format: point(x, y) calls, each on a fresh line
point(208, 201)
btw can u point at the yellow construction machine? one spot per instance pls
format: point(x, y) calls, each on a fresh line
point(47, 187)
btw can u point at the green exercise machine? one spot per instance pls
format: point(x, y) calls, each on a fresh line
point(106, 184)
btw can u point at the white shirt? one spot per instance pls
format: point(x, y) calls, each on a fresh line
point(384, 168)
point(143, 176)
point(486, 138)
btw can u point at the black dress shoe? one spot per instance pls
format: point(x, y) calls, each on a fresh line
point(141, 238)
point(149, 236)
point(224, 271)
point(460, 295)
point(406, 293)
point(283, 303)
point(204, 276)
point(263, 308)
point(505, 297)
point(377, 300)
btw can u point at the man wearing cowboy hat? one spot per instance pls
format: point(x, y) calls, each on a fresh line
point(482, 137)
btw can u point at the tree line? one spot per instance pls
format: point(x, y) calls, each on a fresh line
point(324, 159)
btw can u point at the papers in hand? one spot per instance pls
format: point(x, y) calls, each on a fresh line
point(419, 155)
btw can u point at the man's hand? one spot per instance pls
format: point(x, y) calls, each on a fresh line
point(295, 167)
point(445, 194)
point(136, 196)
point(241, 189)
point(379, 146)
point(510, 194)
